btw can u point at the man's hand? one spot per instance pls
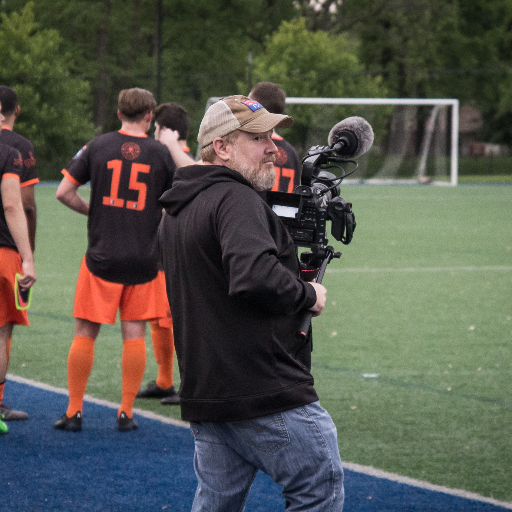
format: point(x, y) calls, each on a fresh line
point(321, 297)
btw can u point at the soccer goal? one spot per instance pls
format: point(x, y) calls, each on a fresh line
point(416, 140)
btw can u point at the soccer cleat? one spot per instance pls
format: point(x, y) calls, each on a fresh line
point(125, 424)
point(3, 426)
point(73, 424)
point(11, 414)
point(154, 391)
point(171, 400)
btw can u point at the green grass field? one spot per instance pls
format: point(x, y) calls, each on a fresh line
point(412, 355)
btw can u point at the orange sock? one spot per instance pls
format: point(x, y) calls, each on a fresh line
point(133, 363)
point(80, 361)
point(2, 385)
point(162, 339)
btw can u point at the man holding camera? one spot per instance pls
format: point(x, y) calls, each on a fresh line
point(234, 287)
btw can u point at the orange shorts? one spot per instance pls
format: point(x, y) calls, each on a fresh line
point(98, 300)
point(165, 321)
point(10, 263)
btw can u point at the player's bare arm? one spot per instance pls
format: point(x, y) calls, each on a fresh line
point(67, 194)
point(170, 138)
point(17, 223)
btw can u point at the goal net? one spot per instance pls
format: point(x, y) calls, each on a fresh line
point(416, 140)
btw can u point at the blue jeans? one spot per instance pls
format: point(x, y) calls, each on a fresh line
point(298, 449)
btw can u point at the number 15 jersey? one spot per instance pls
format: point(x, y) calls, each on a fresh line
point(128, 174)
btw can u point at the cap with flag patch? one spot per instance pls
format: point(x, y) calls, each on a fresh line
point(238, 113)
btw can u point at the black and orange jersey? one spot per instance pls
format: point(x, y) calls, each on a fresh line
point(25, 147)
point(287, 166)
point(128, 174)
point(10, 165)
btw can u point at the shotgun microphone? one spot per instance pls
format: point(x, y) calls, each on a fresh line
point(351, 137)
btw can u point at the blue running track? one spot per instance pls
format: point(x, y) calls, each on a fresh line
point(150, 469)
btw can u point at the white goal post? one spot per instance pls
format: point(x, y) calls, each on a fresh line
point(435, 103)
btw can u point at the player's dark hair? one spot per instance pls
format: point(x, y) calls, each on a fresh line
point(135, 103)
point(270, 95)
point(174, 116)
point(8, 99)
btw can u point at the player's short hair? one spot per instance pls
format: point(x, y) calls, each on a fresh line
point(8, 99)
point(135, 103)
point(270, 95)
point(174, 116)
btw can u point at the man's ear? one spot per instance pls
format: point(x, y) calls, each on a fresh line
point(17, 111)
point(222, 149)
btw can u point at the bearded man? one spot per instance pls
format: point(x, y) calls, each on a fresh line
point(234, 287)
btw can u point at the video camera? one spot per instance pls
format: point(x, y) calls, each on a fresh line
point(317, 199)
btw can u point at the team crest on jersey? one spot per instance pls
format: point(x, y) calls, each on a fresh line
point(18, 161)
point(252, 104)
point(282, 157)
point(130, 150)
point(31, 161)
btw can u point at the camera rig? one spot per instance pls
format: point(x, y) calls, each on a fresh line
point(306, 211)
point(315, 201)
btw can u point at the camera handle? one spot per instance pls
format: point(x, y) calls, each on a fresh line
point(306, 321)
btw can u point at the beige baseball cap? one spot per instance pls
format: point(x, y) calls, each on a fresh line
point(238, 113)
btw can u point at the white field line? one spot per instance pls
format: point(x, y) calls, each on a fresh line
point(366, 470)
point(99, 401)
point(490, 268)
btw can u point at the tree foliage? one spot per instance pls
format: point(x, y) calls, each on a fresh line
point(69, 67)
point(54, 113)
point(315, 64)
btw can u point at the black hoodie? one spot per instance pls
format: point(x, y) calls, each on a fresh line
point(236, 298)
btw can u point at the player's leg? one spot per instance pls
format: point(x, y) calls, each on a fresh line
point(133, 364)
point(96, 303)
point(139, 304)
point(79, 366)
point(5, 334)
point(9, 316)
point(162, 340)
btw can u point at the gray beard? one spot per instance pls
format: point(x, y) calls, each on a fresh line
point(257, 178)
point(260, 180)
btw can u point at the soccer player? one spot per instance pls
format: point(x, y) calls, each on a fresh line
point(28, 179)
point(288, 164)
point(128, 172)
point(11, 111)
point(15, 256)
point(172, 125)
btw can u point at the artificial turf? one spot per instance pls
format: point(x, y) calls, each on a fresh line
point(412, 355)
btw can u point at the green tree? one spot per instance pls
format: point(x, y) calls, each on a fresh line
point(205, 46)
point(55, 105)
point(315, 64)
point(436, 48)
